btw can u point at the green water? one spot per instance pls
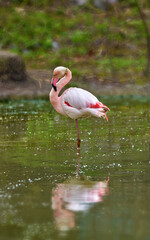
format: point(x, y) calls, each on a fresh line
point(50, 190)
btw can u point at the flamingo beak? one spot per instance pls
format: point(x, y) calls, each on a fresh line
point(53, 82)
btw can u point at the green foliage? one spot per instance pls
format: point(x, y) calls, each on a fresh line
point(102, 27)
point(84, 38)
point(80, 37)
point(31, 31)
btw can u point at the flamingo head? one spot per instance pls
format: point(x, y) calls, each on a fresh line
point(58, 73)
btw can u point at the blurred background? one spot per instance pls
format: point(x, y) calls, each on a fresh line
point(99, 40)
point(49, 189)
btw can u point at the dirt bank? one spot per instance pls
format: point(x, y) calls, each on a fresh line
point(38, 85)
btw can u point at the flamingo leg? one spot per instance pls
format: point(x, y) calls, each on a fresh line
point(78, 140)
point(78, 165)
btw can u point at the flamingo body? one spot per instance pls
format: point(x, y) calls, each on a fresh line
point(74, 102)
point(77, 103)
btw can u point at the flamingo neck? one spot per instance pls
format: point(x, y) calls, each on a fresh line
point(63, 81)
point(54, 98)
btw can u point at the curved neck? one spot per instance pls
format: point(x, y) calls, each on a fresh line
point(63, 81)
point(54, 99)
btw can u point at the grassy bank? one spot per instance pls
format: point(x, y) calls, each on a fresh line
point(107, 45)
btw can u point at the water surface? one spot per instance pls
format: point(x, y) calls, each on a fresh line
point(51, 190)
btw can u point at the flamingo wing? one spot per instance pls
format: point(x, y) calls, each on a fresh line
point(77, 102)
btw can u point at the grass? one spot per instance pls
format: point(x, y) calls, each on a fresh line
point(87, 40)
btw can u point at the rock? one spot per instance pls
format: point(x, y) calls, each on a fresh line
point(103, 4)
point(12, 67)
point(79, 2)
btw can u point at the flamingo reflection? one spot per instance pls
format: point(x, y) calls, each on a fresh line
point(77, 194)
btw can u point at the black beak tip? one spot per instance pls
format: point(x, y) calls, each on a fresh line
point(54, 87)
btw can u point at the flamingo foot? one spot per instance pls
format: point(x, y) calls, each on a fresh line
point(106, 117)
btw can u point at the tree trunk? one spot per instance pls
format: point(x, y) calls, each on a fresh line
point(147, 69)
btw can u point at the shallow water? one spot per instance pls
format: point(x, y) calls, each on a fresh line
point(51, 190)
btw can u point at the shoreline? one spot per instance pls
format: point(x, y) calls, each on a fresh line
point(38, 86)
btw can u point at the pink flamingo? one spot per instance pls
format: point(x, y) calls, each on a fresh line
point(74, 102)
